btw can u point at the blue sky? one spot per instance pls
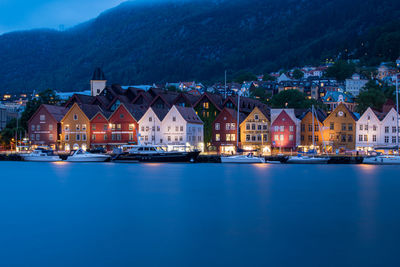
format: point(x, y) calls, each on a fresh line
point(29, 14)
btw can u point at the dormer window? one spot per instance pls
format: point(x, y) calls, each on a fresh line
point(206, 105)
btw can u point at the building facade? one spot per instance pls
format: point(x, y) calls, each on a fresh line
point(355, 84)
point(307, 131)
point(255, 132)
point(123, 127)
point(284, 130)
point(150, 126)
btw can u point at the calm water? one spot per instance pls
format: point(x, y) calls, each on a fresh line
point(198, 215)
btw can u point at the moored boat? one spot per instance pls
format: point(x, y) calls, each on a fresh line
point(41, 155)
point(300, 159)
point(83, 156)
point(152, 153)
point(249, 158)
point(383, 160)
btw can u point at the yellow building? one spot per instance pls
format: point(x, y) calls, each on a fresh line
point(75, 126)
point(340, 129)
point(306, 131)
point(254, 132)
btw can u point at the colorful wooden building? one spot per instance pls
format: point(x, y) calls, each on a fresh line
point(306, 130)
point(284, 130)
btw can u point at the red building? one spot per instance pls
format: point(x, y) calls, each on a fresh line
point(100, 129)
point(283, 129)
point(224, 131)
point(44, 127)
point(123, 125)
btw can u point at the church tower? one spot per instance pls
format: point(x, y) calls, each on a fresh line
point(98, 82)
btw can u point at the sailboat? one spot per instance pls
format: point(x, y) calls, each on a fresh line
point(249, 158)
point(388, 159)
point(301, 159)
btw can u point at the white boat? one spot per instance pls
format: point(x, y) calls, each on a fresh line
point(300, 159)
point(250, 158)
point(83, 156)
point(42, 155)
point(383, 160)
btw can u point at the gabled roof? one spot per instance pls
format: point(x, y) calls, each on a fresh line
point(189, 114)
point(137, 111)
point(215, 99)
point(246, 104)
point(80, 99)
point(56, 112)
point(233, 113)
point(321, 115)
point(90, 110)
point(146, 97)
point(160, 112)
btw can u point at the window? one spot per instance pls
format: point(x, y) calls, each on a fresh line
point(118, 137)
point(158, 128)
point(121, 116)
point(169, 138)
point(42, 117)
point(119, 126)
point(310, 138)
point(310, 127)
point(276, 137)
point(386, 139)
point(366, 127)
point(228, 137)
point(37, 137)
point(78, 127)
point(83, 127)
point(386, 129)
point(393, 139)
point(38, 127)
point(32, 137)
point(51, 137)
point(374, 138)
point(265, 127)
point(343, 138)
point(147, 128)
point(233, 126)
point(176, 138)
point(33, 127)
point(316, 127)
point(303, 127)
point(233, 137)
point(374, 128)
point(350, 127)
point(302, 137)
point(176, 128)
point(256, 117)
point(83, 137)
point(291, 128)
point(276, 128)
point(181, 128)
point(173, 118)
point(281, 137)
point(259, 127)
point(344, 127)
point(93, 137)
point(67, 137)
point(247, 137)
point(247, 126)
point(253, 138)
point(365, 138)
point(316, 138)
point(75, 117)
point(150, 119)
point(206, 105)
point(282, 128)
point(360, 138)
point(78, 137)
point(291, 137)
point(394, 129)
point(350, 138)
point(253, 126)
point(105, 137)
point(265, 137)
point(50, 127)
point(217, 126)
point(332, 126)
point(180, 138)
point(130, 136)
point(361, 127)
point(227, 126)
point(94, 127)
point(131, 127)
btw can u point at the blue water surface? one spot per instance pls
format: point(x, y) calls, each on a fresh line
point(63, 214)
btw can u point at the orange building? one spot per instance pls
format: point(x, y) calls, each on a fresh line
point(306, 130)
point(340, 129)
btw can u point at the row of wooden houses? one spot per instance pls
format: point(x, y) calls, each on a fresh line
point(208, 122)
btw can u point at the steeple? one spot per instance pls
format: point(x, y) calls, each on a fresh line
point(98, 82)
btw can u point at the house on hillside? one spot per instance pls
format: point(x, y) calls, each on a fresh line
point(355, 84)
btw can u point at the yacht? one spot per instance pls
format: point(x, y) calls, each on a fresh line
point(41, 154)
point(249, 158)
point(300, 159)
point(83, 156)
point(153, 153)
point(383, 160)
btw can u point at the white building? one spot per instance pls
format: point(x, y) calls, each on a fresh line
point(98, 82)
point(150, 126)
point(355, 84)
point(182, 127)
point(376, 131)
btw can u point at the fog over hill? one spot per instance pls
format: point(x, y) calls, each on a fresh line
point(140, 42)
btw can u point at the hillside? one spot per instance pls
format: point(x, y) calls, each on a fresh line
point(138, 42)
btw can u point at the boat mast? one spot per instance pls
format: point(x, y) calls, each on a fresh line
point(237, 124)
point(313, 126)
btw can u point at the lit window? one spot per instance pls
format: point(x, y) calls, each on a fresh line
point(217, 137)
point(217, 126)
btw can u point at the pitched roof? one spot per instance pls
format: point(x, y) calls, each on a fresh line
point(56, 111)
point(90, 110)
point(233, 113)
point(321, 115)
point(98, 75)
point(80, 99)
point(137, 111)
point(215, 99)
point(189, 115)
point(160, 112)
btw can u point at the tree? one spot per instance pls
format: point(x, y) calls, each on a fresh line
point(294, 99)
point(370, 96)
point(298, 74)
point(259, 93)
point(245, 76)
point(341, 70)
point(268, 77)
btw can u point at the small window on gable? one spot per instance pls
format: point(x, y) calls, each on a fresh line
point(42, 117)
point(75, 117)
point(121, 116)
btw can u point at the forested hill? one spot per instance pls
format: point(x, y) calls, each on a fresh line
point(138, 42)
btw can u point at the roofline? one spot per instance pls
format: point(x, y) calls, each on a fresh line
point(122, 104)
point(210, 99)
point(75, 104)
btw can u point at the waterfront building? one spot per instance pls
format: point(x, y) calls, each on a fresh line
point(285, 130)
point(254, 131)
point(123, 124)
point(100, 129)
point(389, 131)
point(306, 130)
point(182, 128)
point(76, 126)
point(150, 126)
point(208, 107)
point(224, 131)
point(44, 127)
point(355, 84)
point(368, 130)
point(340, 129)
